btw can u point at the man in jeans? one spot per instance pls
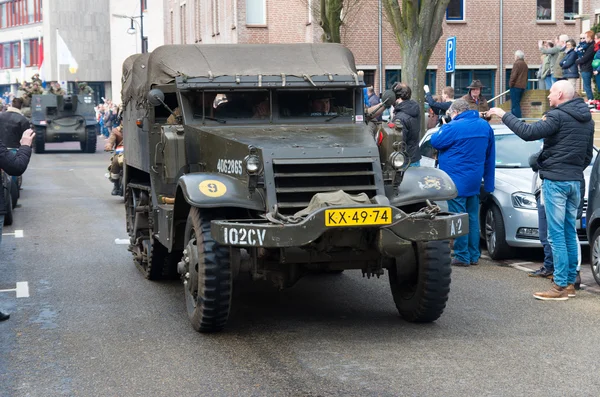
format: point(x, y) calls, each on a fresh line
point(467, 153)
point(518, 82)
point(13, 164)
point(568, 133)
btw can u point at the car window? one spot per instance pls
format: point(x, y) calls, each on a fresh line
point(315, 104)
point(426, 149)
point(513, 152)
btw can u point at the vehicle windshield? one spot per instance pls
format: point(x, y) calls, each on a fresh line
point(513, 152)
point(288, 104)
point(231, 105)
point(319, 105)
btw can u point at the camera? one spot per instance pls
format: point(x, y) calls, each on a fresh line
point(445, 119)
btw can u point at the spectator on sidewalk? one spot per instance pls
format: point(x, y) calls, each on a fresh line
point(13, 164)
point(439, 108)
point(568, 133)
point(585, 56)
point(518, 82)
point(547, 64)
point(569, 65)
point(475, 100)
point(596, 61)
point(13, 124)
point(467, 153)
point(408, 112)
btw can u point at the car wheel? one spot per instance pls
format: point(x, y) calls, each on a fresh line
point(495, 234)
point(595, 255)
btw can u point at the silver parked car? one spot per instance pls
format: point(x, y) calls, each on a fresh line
point(508, 216)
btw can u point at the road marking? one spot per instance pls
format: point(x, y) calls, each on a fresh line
point(16, 234)
point(519, 266)
point(122, 241)
point(22, 289)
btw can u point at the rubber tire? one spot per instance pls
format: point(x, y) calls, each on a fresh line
point(40, 140)
point(502, 249)
point(8, 216)
point(214, 277)
point(91, 140)
point(424, 300)
point(595, 240)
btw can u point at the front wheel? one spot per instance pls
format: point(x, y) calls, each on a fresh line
point(8, 216)
point(207, 275)
point(420, 281)
point(89, 145)
point(495, 234)
point(595, 255)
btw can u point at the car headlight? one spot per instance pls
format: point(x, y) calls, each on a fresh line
point(399, 161)
point(252, 164)
point(524, 201)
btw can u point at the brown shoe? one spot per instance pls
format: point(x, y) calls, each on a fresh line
point(571, 290)
point(555, 293)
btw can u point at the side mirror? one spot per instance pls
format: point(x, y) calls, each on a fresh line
point(156, 97)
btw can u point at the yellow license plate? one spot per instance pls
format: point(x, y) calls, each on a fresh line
point(358, 217)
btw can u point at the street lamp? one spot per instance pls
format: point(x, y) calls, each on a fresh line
point(140, 23)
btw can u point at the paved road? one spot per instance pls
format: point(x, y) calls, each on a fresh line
point(92, 326)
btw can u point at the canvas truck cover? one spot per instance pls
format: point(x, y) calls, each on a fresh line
point(211, 61)
point(134, 86)
point(126, 78)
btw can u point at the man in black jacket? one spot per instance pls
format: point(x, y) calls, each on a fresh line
point(568, 134)
point(13, 124)
point(13, 164)
point(408, 113)
point(585, 62)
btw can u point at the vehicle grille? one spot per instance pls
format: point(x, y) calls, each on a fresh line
point(297, 181)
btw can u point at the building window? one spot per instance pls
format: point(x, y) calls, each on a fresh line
point(27, 49)
point(455, 10)
point(20, 12)
point(463, 78)
point(395, 75)
point(197, 26)
point(182, 18)
point(144, 44)
point(572, 9)
point(7, 62)
point(545, 10)
point(216, 10)
point(531, 75)
point(369, 77)
point(16, 55)
point(172, 28)
point(256, 12)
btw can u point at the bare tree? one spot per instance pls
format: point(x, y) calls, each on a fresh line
point(417, 26)
point(332, 15)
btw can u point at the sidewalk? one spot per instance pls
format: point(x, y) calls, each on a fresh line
point(588, 283)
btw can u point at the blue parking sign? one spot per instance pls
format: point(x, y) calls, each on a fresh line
point(450, 54)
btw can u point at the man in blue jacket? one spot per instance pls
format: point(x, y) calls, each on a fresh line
point(568, 133)
point(467, 153)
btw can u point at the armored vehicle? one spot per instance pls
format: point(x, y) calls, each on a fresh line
point(256, 159)
point(64, 118)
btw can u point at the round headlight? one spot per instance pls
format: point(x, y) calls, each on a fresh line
point(398, 160)
point(252, 164)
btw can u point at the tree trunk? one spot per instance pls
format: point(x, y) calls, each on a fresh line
point(414, 62)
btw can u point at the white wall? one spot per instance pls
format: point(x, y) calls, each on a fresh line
point(122, 44)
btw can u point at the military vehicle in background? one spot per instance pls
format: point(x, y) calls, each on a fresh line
point(64, 118)
point(256, 159)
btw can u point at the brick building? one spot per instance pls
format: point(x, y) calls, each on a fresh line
point(488, 32)
point(28, 29)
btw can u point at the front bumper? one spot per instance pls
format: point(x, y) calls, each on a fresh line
point(404, 228)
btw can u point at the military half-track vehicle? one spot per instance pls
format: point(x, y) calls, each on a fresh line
point(64, 118)
point(256, 159)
